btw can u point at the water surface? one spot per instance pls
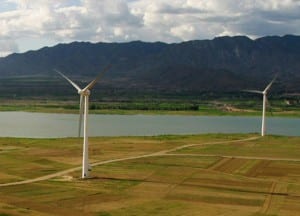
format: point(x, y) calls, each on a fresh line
point(43, 125)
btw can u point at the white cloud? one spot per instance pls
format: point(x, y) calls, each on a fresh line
point(149, 20)
point(8, 46)
point(183, 31)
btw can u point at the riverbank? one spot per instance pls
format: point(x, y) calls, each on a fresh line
point(204, 108)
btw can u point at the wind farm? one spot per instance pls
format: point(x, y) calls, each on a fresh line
point(199, 174)
point(179, 126)
point(158, 152)
point(168, 131)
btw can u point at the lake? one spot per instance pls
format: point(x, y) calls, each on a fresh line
point(44, 125)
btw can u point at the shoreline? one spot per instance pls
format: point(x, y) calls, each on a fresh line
point(252, 113)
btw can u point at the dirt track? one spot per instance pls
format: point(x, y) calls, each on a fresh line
point(239, 157)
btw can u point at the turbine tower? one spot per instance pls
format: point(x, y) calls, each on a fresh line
point(84, 109)
point(264, 93)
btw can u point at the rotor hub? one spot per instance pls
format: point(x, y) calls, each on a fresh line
point(84, 93)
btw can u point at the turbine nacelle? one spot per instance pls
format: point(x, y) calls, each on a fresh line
point(83, 92)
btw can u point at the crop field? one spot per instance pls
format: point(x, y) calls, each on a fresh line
point(229, 175)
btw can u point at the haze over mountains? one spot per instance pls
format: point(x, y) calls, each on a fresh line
point(223, 64)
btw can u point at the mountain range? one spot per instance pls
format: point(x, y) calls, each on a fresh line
point(223, 64)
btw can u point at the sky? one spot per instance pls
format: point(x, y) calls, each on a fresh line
point(32, 24)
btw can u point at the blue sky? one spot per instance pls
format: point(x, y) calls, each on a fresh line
point(30, 25)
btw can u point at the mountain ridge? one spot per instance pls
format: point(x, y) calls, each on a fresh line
point(223, 64)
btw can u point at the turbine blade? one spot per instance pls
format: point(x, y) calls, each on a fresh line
point(70, 81)
point(91, 84)
point(267, 102)
point(80, 115)
point(253, 91)
point(269, 107)
point(270, 84)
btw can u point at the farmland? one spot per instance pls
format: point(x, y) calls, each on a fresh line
point(163, 175)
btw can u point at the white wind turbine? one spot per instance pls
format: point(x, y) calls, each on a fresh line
point(84, 108)
point(264, 93)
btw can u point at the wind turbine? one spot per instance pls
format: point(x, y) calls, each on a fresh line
point(264, 93)
point(84, 109)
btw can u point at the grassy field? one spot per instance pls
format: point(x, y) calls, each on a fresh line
point(164, 175)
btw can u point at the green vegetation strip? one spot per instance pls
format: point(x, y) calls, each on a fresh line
point(180, 107)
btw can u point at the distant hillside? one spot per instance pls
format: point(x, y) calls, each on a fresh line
point(223, 64)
